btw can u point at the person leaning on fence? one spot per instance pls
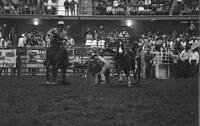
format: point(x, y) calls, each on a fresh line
point(194, 60)
point(105, 66)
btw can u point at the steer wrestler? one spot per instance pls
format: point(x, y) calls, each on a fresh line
point(105, 69)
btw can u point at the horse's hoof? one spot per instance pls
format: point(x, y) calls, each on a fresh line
point(102, 83)
point(129, 84)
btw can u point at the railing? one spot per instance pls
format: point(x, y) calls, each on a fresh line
point(29, 61)
point(91, 10)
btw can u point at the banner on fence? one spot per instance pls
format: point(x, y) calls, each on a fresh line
point(8, 58)
point(35, 58)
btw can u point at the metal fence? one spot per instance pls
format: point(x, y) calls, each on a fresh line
point(29, 61)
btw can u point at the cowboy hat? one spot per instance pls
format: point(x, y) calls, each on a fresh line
point(61, 23)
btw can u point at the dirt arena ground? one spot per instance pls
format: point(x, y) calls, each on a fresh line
point(26, 101)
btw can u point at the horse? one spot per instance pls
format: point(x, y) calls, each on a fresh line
point(57, 57)
point(125, 60)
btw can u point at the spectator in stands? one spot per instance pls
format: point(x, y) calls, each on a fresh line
point(7, 43)
point(191, 29)
point(67, 7)
point(89, 36)
point(15, 4)
point(89, 39)
point(4, 31)
point(13, 36)
point(109, 8)
point(115, 3)
point(194, 60)
point(72, 5)
point(115, 6)
point(95, 35)
point(184, 56)
point(1, 42)
point(1, 5)
point(22, 41)
point(149, 58)
point(49, 6)
point(1, 34)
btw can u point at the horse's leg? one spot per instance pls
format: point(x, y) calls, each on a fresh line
point(120, 74)
point(96, 78)
point(120, 77)
point(64, 70)
point(107, 74)
point(55, 70)
point(127, 72)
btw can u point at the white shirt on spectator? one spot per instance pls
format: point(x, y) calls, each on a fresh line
point(1, 42)
point(109, 8)
point(115, 3)
point(49, 4)
point(195, 44)
point(89, 36)
point(141, 8)
point(21, 42)
point(194, 56)
point(184, 55)
point(147, 2)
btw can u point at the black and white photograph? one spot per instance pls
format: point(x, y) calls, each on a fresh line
point(99, 63)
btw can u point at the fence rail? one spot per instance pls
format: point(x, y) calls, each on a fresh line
point(29, 60)
point(90, 10)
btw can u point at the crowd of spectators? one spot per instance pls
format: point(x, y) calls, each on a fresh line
point(28, 6)
point(32, 39)
point(10, 38)
point(185, 7)
point(170, 47)
point(145, 7)
point(179, 49)
point(104, 7)
point(109, 38)
point(70, 7)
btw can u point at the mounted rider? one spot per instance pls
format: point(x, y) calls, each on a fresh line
point(58, 35)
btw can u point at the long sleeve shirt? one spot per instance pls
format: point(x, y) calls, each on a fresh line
point(184, 55)
point(194, 56)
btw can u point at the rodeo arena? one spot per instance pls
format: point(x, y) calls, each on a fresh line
point(99, 62)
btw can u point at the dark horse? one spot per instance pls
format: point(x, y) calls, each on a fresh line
point(125, 60)
point(57, 57)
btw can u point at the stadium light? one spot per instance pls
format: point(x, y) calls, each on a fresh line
point(35, 22)
point(129, 23)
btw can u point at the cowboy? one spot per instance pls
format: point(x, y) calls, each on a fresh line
point(105, 67)
point(59, 30)
point(60, 35)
